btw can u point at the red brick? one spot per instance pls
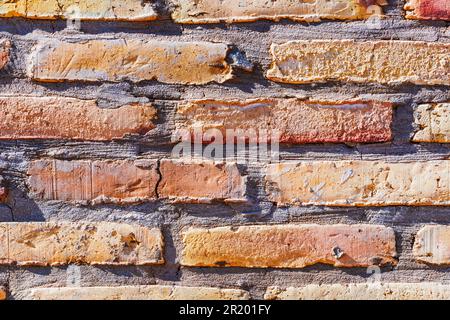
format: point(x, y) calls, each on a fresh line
point(5, 46)
point(94, 181)
point(428, 9)
point(296, 121)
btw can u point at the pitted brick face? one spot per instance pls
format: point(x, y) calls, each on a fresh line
point(114, 60)
point(62, 243)
point(428, 9)
point(215, 11)
point(384, 62)
point(111, 10)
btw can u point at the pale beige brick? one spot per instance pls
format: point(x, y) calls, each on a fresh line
point(362, 291)
point(433, 123)
point(432, 245)
point(359, 183)
point(127, 10)
point(94, 243)
point(154, 292)
point(215, 11)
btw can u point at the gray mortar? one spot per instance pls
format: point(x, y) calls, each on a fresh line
point(253, 40)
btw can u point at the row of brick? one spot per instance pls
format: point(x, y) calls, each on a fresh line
point(215, 11)
point(303, 61)
point(258, 246)
point(328, 183)
point(353, 291)
point(287, 120)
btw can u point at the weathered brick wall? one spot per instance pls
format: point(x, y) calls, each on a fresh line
point(95, 204)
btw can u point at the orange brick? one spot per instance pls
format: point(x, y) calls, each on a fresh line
point(154, 292)
point(432, 245)
point(215, 11)
point(95, 243)
point(428, 9)
point(127, 10)
point(289, 120)
point(2, 293)
point(201, 182)
point(289, 246)
point(94, 181)
point(131, 60)
point(68, 118)
point(386, 62)
point(359, 183)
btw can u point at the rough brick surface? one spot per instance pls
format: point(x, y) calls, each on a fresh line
point(69, 118)
point(3, 190)
point(386, 62)
point(135, 293)
point(288, 120)
point(131, 60)
point(432, 245)
point(62, 243)
point(215, 11)
point(94, 182)
point(289, 246)
point(129, 10)
point(433, 123)
point(428, 9)
point(359, 183)
point(201, 182)
point(2, 293)
point(5, 46)
point(363, 291)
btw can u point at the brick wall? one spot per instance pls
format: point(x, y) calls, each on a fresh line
point(177, 149)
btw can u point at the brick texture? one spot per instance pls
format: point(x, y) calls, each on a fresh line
point(361, 62)
point(135, 293)
point(359, 183)
point(201, 182)
point(432, 245)
point(5, 46)
point(433, 123)
point(2, 293)
point(127, 10)
point(428, 9)
point(69, 118)
point(363, 291)
point(289, 246)
point(288, 120)
point(62, 243)
point(94, 182)
point(215, 11)
point(131, 60)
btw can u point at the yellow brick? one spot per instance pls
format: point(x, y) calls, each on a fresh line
point(359, 183)
point(95, 243)
point(433, 122)
point(432, 245)
point(386, 62)
point(132, 60)
point(215, 11)
point(134, 293)
point(128, 10)
point(362, 291)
